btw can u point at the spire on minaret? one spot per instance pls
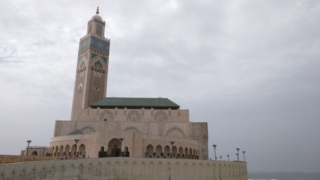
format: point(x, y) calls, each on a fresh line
point(97, 10)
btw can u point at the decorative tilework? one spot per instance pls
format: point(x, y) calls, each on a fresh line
point(98, 63)
point(95, 43)
point(104, 59)
point(93, 55)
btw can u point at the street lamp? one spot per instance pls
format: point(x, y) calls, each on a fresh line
point(214, 146)
point(244, 156)
point(121, 139)
point(238, 153)
point(220, 157)
point(76, 140)
point(172, 142)
point(228, 157)
point(28, 141)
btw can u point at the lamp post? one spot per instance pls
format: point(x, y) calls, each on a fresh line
point(228, 157)
point(244, 156)
point(172, 142)
point(121, 139)
point(214, 146)
point(28, 141)
point(238, 153)
point(220, 157)
point(76, 140)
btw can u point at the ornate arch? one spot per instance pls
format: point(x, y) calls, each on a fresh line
point(133, 116)
point(106, 115)
point(87, 129)
point(132, 128)
point(81, 64)
point(160, 116)
point(98, 63)
point(2, 175)
point(173, 132)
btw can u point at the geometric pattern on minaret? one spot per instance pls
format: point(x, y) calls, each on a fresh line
point(92, 66)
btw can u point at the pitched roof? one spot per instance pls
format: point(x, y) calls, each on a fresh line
point(75, 132)
point(130, 102)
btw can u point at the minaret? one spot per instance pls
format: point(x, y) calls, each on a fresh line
point(92, 67)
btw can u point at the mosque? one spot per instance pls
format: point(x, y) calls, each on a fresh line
point(103, 126)
point(125, 138)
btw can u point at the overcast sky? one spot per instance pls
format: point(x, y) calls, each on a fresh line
point(250, 68)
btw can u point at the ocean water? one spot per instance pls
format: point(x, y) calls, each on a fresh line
point(284, 175)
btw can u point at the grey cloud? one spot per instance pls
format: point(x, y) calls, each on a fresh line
point(249, 68)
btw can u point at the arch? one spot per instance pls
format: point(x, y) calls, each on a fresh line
point(61, 150)
point(160, 116)
point(81, 65)
point(56, 151)
point(132, 128)
point(34, 153)
point(175, 132)
point(73, 150)
point(13, 175)
point(126, 151)
point(102, 153)
point(87, 129)
point(98, 64)
point(167, 151)
point(133, 116)
point(106, 115)
point(174, 151)
point(62, 170)
point(67, 150)
point(82, 150)
point(186, 152)
point(42, 173)
point(114, 147)
point(180, 152)
point(149, 150)
point(158, 151)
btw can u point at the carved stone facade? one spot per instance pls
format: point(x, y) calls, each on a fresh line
point(126, 169)
point(150, 127)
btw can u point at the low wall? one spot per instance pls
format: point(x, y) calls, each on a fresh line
point(126, 169)
point(5, 159)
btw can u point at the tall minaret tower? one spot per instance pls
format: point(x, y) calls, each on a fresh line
point(92, 66)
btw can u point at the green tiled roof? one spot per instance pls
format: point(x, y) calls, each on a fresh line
point(75, 132)
point(121, 102)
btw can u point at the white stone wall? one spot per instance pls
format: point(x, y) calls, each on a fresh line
point(136, 142)
point(168, 115)
point(126, 169)
point(155, 127)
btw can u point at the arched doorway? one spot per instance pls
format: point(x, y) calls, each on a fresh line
point(174, 152)
point(82, 150)
point(114, 147)
point(67, 150)
point(180, 155)
point(167, 151)
point(126, 152)
point(149, 151)
point(34, 153)
point(102, 153)
point(73, 150)
point(159, 151)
